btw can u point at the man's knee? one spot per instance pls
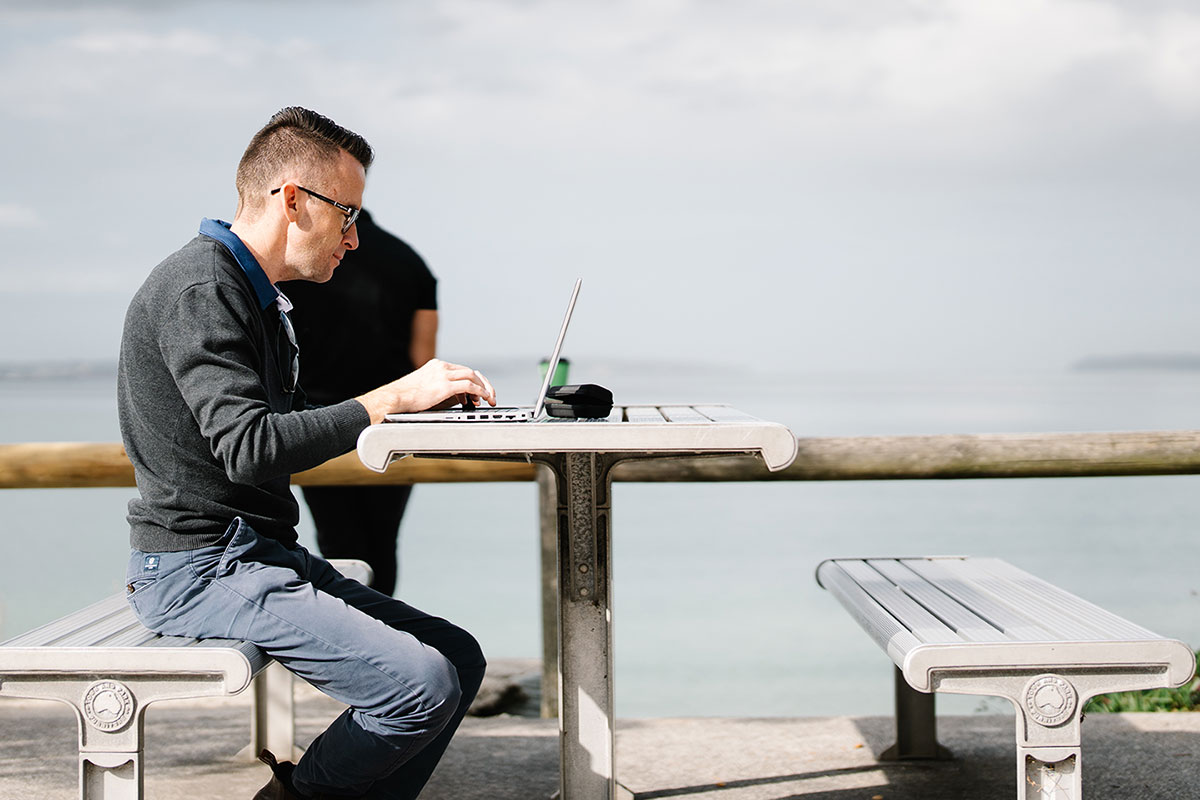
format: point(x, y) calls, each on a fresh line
point(472, 657)
point(471, 667)
point(462, 650)
point(425, 701)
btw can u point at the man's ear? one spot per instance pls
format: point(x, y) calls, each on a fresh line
point(288, 201)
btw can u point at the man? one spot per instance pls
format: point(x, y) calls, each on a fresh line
point(214, 421)
point(383, 294)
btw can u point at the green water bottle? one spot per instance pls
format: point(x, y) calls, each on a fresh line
point(560, 372)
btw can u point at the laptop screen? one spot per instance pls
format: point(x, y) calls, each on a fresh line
point(550, 369)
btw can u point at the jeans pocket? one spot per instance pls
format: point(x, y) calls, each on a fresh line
point(208, 563)
point(137, 590)
point(244, 545)
point(135, 586)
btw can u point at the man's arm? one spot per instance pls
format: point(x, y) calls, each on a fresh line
point(210, 351)
point(423, 342)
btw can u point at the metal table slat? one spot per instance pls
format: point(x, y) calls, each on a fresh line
point(683, 414)
point(616, 415)
point(969, 625)
point(643, 414)
point(613, 416)
point(911, 614)
point(723, 413)
point(946, 573)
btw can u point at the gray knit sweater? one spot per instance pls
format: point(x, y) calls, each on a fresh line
point(204, 418)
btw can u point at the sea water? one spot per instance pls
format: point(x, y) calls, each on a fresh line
point(716, 611)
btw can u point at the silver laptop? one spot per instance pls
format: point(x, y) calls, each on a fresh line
point(501, 414)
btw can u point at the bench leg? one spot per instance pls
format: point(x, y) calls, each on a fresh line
point(916, 725)
point(273, 725)
point(110, 714)
point(111, 776)
point(1049, 710)
point(1049, 773)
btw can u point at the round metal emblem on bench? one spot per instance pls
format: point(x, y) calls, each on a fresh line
point(108, 705)
point(1050, 700)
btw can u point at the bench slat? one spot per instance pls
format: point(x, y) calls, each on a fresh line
point(133, 635)
point(967, 624)
point(880, 625)
point(1075, 617)
point(945, 574)
point(909, 613)
point(100, 631)
point(111, 624)
point(70, 624)
point(1047, 616)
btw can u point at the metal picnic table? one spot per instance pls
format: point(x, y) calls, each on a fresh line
point(581, 454)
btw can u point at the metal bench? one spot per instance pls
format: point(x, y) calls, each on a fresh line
point(108, 667)
point(982, 626)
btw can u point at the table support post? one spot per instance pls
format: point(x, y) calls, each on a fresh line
point(585, 719)
point(548, 526)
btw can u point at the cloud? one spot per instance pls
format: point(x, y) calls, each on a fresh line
point(917, 76)
point(915, 147)
point(935, 80)
point(15, 216)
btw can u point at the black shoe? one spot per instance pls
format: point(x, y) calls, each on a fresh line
point(280, 787)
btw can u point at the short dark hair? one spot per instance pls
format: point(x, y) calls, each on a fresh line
point(293, 136)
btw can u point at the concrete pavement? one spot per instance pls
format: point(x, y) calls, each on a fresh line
point(192, 753)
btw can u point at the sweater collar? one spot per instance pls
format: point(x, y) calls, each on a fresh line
point(263, 288)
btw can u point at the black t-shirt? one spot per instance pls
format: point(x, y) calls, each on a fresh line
point(354, 331)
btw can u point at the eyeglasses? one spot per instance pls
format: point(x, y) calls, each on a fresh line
point(350, 211)
point(287, 351)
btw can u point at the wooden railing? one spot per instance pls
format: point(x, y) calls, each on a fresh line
point(46, 465)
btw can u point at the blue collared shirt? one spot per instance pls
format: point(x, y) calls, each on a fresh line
point(266, 291)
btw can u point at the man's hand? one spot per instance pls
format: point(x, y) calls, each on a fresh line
point(437, 384)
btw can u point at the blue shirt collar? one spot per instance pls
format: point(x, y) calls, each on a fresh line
point(263, 288)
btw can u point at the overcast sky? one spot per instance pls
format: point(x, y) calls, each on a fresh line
point(908, 184)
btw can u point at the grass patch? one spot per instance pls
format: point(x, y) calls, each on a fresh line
point(1185, 698)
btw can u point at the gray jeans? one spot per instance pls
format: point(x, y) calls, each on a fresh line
point(407, 677)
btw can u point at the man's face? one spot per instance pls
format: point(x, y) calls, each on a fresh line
point(316, 243)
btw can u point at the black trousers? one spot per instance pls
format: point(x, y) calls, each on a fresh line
point(360, 522)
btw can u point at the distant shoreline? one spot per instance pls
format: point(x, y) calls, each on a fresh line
point(66, 370)
point(1188, 362)
point(57, 370)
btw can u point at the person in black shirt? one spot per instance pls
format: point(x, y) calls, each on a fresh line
point(383, 294)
